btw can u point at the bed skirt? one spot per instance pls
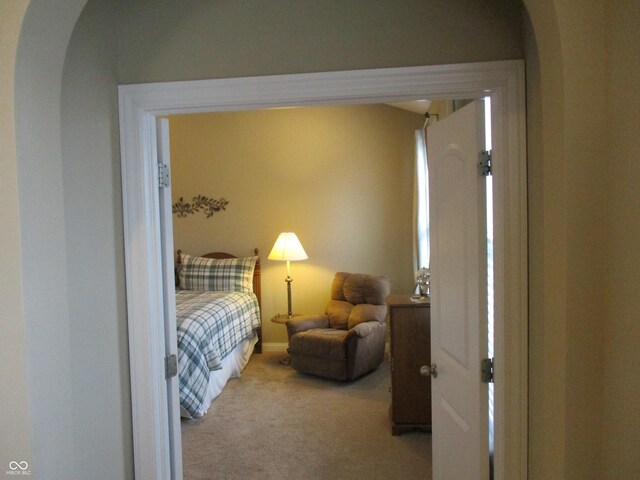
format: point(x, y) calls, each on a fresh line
point(232, 366)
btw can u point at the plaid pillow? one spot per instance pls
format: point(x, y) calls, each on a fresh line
point(227, 274)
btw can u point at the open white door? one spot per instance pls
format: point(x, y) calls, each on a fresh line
point(458, 295)
point(168, 287)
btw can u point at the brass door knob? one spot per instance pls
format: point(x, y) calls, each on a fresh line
point(429, 371)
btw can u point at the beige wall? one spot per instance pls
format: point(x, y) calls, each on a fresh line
point(583, 306)
point(570, 44)
point(15, 419)
point(547, 282)
point(341, 178)
point(621, 324)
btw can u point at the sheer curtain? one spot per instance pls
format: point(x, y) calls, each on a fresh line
point(421, 204)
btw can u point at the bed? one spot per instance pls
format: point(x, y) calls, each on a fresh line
point(218, 324)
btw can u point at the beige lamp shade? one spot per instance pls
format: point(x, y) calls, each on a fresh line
point(287, 247)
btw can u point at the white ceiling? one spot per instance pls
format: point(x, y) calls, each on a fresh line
point(416, 106)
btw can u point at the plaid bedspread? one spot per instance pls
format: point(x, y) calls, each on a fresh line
point(210, 325)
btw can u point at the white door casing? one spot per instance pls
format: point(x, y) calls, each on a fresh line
point(458, 295)
point(168, 288)
point(139, 105)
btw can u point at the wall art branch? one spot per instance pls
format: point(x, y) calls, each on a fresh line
point(207, 205)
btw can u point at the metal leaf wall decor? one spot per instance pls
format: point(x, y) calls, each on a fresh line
point(207, 205)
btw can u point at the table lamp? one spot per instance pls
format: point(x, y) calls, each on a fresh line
point(289, 248)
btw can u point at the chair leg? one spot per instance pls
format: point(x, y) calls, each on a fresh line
point(285, 361)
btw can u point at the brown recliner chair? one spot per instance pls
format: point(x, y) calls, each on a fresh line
point(348, 340)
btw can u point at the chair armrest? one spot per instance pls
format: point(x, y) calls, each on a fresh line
point(367, 328)
point(301, 323)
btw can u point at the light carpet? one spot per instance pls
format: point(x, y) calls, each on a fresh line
point(275, 423)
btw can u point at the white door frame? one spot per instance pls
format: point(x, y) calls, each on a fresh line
point(141, 104)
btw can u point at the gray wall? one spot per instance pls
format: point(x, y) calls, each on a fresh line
point(39, 68)
point(583, 384)
point(201, 40)
point(94, 246)
point(67, 154)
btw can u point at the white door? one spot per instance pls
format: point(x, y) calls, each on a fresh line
point(459, 295)
point(168, 286)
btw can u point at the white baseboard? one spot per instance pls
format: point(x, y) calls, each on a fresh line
point(275, 347)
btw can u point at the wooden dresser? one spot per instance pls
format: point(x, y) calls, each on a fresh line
point(410, 326)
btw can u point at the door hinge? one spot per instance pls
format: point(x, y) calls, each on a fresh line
point(486, 370)
point(171, 365)
point(163, 175)
point(484, 166)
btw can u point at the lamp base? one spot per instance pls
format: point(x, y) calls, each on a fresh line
point(289, 310)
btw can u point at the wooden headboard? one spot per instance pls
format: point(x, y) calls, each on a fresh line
point(257, 285)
